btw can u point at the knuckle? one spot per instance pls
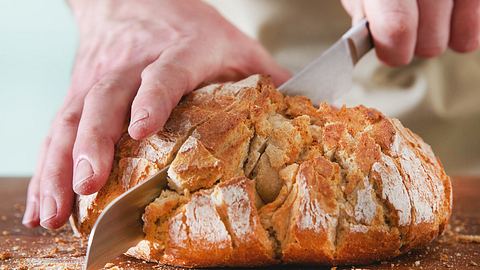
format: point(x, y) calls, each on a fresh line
point(397, 26)
point(92, 141)
point(180, 70)
point(182, 74)
point(51, 176)
point(96, 135)
point(167, 78)
point(69, 119)
point(396, 32)
point(155, 86)
point(103, 87)
point(148, 72)
point(60, 163)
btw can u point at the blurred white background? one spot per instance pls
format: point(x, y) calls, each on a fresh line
point(37, 46)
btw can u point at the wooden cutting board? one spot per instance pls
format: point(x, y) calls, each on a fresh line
point(22, 248)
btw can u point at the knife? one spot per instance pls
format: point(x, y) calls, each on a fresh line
point(120, 226)
point(331, 75)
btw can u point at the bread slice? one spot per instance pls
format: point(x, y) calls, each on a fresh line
point(257, 178)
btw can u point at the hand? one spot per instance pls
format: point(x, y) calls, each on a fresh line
point(404, 28)
point(138, 56)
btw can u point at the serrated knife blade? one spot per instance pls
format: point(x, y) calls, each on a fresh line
point(330, 76)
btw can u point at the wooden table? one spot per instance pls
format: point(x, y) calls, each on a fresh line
point(22, 248)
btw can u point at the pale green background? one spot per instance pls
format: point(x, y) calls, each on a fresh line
point(37, 46)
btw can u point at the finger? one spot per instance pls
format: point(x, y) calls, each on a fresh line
point(253, 59)
point(104, 113)
point(263, 63)
point(31, 217)
point(393, 24)
point(56, 195)
point(354, 9)
point(164, 82)
point(433, 27)
point(465, 26)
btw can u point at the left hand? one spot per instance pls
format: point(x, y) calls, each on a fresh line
point(425, 28)
point(139, 57)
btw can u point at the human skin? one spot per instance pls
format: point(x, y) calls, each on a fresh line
point(425, 28)
point(137, 58)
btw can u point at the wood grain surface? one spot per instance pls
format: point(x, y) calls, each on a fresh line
point(22, 248)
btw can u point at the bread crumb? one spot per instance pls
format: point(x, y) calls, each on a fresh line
point(443, 257)
point(15, 248)
point(18, 207)
point(69, 249)
point(5, 232)
point(5, 255)
point(473, 263)
point(111, 266)
point(53, 251)
point(417, 263)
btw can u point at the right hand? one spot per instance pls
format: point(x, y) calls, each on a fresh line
point(425, 28)
point(138, 56)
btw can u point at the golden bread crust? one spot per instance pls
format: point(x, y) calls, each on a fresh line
point(257, 178)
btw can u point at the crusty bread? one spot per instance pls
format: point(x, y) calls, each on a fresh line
point(256, 178)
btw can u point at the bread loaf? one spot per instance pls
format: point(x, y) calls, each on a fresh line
point(257, 178)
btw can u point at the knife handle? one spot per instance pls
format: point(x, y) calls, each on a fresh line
point(359, 40)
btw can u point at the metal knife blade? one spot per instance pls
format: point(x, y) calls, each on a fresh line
point(330, 76)
point(120, 226)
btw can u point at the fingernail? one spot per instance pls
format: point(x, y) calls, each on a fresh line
point(49, 209)
point(139, 116)
point(30, 213)
point(83, 172)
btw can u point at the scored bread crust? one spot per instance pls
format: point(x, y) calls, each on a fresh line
point(256, 178)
